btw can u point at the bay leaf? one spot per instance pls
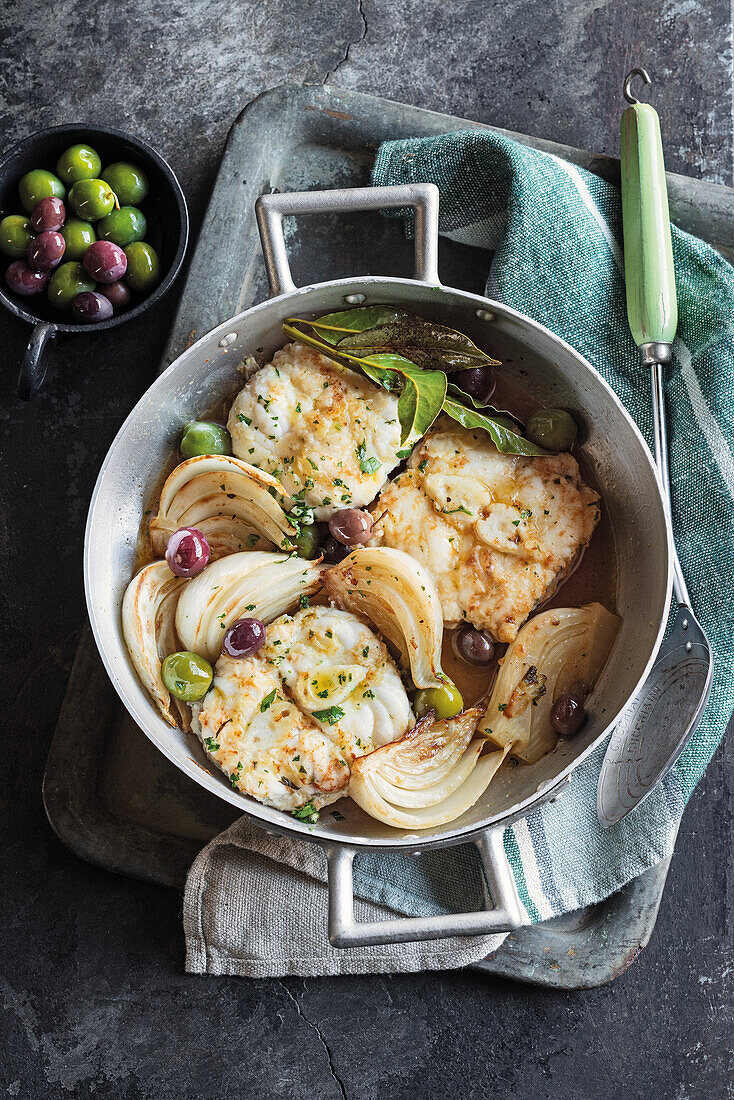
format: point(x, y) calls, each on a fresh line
point(506, 441)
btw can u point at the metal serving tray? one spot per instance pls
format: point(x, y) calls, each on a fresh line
point(110, 796)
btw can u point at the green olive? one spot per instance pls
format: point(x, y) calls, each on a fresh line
point(78, 162)
point(39, 184)
point(308, 541)
point(66, 282)
point(123, 226)
point(78, 235)
point(553, 429)
point(203, 437)
point(91, 199)
point(143, 266)
point(187, 676)
point(16, 233)
point(129, 183)
point(446, 701)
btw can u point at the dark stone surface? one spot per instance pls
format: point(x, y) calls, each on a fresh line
point(92, 998)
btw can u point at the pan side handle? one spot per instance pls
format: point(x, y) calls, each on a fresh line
point(421, 197)
point(500, 890)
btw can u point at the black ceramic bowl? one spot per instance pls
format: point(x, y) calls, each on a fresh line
point(164, 208)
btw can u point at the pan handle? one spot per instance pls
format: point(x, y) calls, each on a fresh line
point(271, 209)
point(504, 916)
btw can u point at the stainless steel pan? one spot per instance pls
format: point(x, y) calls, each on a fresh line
point(539, 361)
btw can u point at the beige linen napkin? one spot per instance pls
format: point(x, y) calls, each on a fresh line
point(256, 906)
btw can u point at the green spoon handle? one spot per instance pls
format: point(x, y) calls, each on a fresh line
point(652, 308)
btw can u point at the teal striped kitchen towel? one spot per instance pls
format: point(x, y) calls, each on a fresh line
point(556, 234)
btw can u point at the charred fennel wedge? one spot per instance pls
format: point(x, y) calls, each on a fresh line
point(391, 589)
point(429, 777)
point(560, 650)
point(234, 504)
point(255, 584)
point(148, 624)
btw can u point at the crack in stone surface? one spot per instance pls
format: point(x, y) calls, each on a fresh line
point(354, 42)
point(314, 1027)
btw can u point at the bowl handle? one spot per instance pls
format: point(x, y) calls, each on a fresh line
point(500, 890)
point(33, 369)
point(421, 197)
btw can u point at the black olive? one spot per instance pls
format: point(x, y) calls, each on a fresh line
point(567, 714)
point(474, 646)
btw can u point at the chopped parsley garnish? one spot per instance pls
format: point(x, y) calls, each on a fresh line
point(304, 601)
point(301, 513)
point(234, 777)
point(331, 716)
point(422, 465)
point(252, 540)
point(367, 465)
point(526, 513)
point(307, 813)
point(311, 463)
point(461, 508)
point(368, 694)
point(244, 419)
point(267, 701)
point(250, 607)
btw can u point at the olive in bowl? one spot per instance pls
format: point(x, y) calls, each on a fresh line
point(68, 164)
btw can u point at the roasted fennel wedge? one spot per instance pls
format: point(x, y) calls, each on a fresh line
point(148, 625)
point(391, 589)
point(255, 584)
point(429, 777)
point(558, 651)
point(234, 504)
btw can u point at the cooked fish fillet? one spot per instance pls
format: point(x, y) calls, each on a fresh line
point(330, 437)
point(496, 532)
point(286, 724)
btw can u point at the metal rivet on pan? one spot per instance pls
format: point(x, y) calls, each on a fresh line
point(485, 315)
point(228, 339)
point(689, 647)
point(354, 299)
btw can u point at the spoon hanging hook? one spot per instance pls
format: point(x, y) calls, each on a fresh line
point(643, 75)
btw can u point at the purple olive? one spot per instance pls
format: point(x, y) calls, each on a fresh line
point(90, 306)
point(187, 552)
point(476, 647)
point(351, 526)
point(46, 251)
point(244, 638)
point(478, 382)
point(105, 261)
point(48, 213)
point(567, 714)
point(25, 280)
point(118, 294)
